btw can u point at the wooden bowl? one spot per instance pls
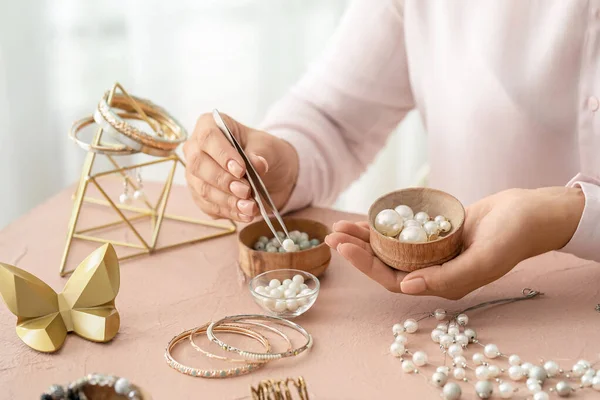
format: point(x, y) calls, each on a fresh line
point(315, 260)
point(412, 256)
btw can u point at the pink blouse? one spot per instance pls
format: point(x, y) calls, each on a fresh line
point(508, 91)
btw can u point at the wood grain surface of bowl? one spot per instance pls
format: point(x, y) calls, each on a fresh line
point(412, 256)
point(314, 260)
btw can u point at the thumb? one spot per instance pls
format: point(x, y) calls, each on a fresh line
point(259, 163)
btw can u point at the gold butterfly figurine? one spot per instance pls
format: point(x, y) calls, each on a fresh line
point(86, 306)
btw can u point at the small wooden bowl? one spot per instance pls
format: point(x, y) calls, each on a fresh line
point(412, 256)
point(315, 260)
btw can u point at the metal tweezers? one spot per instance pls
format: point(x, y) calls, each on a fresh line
point(258, 187)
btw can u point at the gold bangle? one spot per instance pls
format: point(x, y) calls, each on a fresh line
point(210, 355)
point(221, 373)
point(114, 150)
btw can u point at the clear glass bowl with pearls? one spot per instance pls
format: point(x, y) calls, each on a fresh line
point(416, 228)
point(285, 293)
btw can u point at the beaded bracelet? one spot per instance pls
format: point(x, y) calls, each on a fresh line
point(210, 355)
point(221, 373)
point(75, 390)
point(253, 355)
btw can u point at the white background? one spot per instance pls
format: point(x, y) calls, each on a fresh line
point(57, 57)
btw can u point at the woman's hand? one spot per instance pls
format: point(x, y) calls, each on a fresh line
point(499, 232)
point(215, 170)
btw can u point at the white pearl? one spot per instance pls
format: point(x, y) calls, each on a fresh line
point(443, 370)
point(275, 293)
point(598, 373)
point(590, 372)
point(440, 314)
point(451, 391)
point(138, 194)
point(289, 293)
point(462, 339)
point(491, 351)
point(586, 380)
point(541, 396)
point(413, 234)
point(506, 390)
point(260, 289)
point(289, 245)
point(408, 366)
point(303, 286)
point(585, 364)
point(494, 371)
point(439, 379)
point(482, 372)
point(446, 340)
point(122, 386)
point(398, 328)
point(397, 349)
point(526, 367)
point(459, 361)
point(388, 223)
point(563, 389)
point(459, 373)
point(439, 218)
point(274, 283)
point(404, 211)
point(442, 327)
point(514, 360)
point(445, 226)
point(294, 286)
point(431, 228)
point(462, 319)
point(596, 383)
point(422, 217)
point(419, 358)
point(478, 358)
point(124, 198)
point(533, 385)
point(286, 282)
point(436, 334)
point(455, 350)
point(280, 306)
point(471, 334)
point(292, 305)
point(578, 370)
point(484, 389)
point(412, 222)
point(411, 325)
point(538, 373)
point(401, 339)
point(453, 330)
point(515, 372)
point(269, 303)
point(299, 279)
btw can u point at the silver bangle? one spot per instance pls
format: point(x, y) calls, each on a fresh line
point(259, 356)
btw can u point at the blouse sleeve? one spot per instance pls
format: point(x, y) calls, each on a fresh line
point(340, 114)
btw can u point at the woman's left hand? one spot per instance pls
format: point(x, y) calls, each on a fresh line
point(499, 232)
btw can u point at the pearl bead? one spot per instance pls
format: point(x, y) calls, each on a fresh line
point(471, 334)
point(551, 368)
point(578, 370)
point(538, 373)
point(388, 223)
point(541, 396)
point(482, 372)
point(462, 319)
point(459, 373)
point(484, 389)
point(412, 222)
point(439, 219)
point(280, 305)
point(443, 369)
point(275, 293)
point(563, 389)
point(596, 383)
point(439, 379)
point(431, 228)
point(533, 386)
point(439, 314)
point(590, 372)
point(420, 358)
point(526, 367)
point(462, 339)
point(445, 226)
point(446, 340)
point(515, 372)
point(404, 211)
point(436, 334)
point(292, 305)
point(397, 349)
point(459, 360)
point(408, 366)
point(124, 198)
point(422, 217)
point(514, 360)
point(478, 358)
point(491, 351)
point(288, 245)
point(299, 279)
point(274, 283)
point(585, 364)
point(451, 391)
point(286, 282)
point(398, 328)
point(411, 325)
point(494, 371)
point(289, 293)
point(453, 330)
point(455, 350)
point(413, 234)
point(294, 286)
point(401, 339)
point(138, 194)
point(586, 380)
point(269, 303)
point(442, 327)
point(506, 390)
point(122, 386)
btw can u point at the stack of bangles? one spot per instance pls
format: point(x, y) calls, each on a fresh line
point(115, 116)
point(242, 325)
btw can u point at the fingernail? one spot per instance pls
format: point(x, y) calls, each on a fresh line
point(245, 218)
point(262, 159)
point(327, 240)
point(413, 286)
point(240, 189)
point(235, 168)
point(246, 207)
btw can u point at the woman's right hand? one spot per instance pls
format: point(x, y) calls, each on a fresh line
point(215, 171)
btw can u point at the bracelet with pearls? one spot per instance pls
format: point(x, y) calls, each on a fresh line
point(75, 390)
point(259, 356)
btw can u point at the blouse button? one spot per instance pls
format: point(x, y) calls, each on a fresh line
point(593, 104)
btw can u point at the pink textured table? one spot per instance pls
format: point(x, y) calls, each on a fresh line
point(351, 322)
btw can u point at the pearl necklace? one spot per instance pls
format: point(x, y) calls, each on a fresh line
point(453, 339)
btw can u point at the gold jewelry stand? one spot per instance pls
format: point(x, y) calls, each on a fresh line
point(155, 212)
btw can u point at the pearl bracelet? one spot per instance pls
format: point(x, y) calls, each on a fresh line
point(75, 390)
point(259, 356)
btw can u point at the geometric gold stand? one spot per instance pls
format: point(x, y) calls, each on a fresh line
point(156, 212)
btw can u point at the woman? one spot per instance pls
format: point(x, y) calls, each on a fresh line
point(509, 94)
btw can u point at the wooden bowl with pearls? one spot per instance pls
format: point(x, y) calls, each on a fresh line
point(254, 262)
point(409, 257)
